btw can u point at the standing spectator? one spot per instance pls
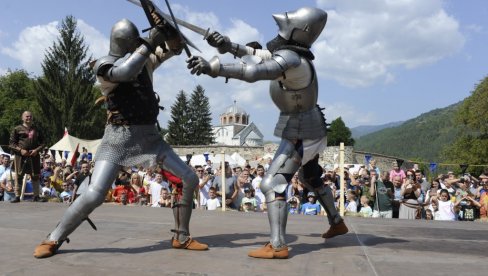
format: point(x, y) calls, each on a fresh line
point(155, 189)
point(26, 141)
point(230, 186)
point(7, 182)
point(138, 187)
point(382, 194)
point(205, 182)
point(409, 208)
point(213, 202)
point(397, 195)
point(242, 184)
point(4, 163)
point(311, 207)
point(445, 206)
point(469, 208)
point(372, 166)
point(483, 194)
point(420, 179)
point(256, 185)
point(397, 171)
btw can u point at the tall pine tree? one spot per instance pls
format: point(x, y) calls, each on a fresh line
point(178, 125)
point(200, 118)
point(339, 132)
point(66, 92)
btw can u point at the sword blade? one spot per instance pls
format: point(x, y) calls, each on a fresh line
point(189, 26)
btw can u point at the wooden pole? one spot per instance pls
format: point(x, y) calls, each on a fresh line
point(341, 175)
point(222, 186)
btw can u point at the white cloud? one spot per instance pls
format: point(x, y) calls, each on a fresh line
point(98, 44)
point(364, 40)
point(33, 42)
point(349, 114)
point(31, 46)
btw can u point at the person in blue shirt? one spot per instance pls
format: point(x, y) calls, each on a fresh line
point(311, 208)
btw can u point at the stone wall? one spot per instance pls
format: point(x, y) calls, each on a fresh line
point(253, 154)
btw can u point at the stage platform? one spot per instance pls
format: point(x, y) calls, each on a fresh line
point(136, 241)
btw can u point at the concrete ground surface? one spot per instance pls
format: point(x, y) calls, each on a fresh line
point(136, 241)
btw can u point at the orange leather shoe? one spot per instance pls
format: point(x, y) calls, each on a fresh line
point(46, 249)
point(190, 244)
point(268, 252)
point(336, 230)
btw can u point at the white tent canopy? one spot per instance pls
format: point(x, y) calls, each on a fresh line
point(68, 144)
point(2, 152)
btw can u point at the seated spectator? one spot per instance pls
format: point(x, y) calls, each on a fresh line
point(164, 198)
point(351, 204)
point(311, 208)
point(483, 193)
point(294, 205)
point(248, 202)
point(213, 202)
point(366, 210)
point(66, 194)
point(429, 215)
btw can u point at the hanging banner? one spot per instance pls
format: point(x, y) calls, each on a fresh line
point(433, 167)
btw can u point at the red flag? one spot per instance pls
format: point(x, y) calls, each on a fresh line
point(75, 156)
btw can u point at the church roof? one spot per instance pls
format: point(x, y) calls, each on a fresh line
point(235, 109)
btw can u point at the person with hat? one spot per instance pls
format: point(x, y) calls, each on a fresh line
point(311, 208)
point(249, 202)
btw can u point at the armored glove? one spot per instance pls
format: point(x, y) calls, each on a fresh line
point(222, 43)
point(157, 36)
point(198, 65)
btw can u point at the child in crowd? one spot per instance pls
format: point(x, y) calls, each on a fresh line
point(352, 206)
point(213, 202)
point(428, 214)
point(311, 208)
point(445, 206)
point(366, 210)
point(248, 203)
point(469, 208)
point(294, 205)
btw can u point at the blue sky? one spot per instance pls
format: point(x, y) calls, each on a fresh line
point(378, 61)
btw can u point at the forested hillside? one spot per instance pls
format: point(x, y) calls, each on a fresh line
point(422, 138)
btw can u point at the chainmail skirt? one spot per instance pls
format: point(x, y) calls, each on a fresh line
point(131, 145)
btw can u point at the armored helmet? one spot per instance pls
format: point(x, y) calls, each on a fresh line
point(124, 38)
point(302, 26)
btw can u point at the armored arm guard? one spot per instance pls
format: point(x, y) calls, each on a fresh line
point(252, 70)
point(123, 69)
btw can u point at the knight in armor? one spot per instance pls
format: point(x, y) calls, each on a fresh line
point(131, 135)
point(287, 63)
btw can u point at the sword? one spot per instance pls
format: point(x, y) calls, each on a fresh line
point(199, 30)
point(185, 46)
point(148, 5)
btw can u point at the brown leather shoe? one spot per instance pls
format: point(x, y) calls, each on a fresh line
point(268, 252)
point(46, 249)
point(190, 244)
point(336, 230)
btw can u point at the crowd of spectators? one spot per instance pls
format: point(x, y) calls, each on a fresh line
point(369, 192)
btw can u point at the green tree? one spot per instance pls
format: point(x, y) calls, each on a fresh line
point(16, 93)
point(65, 92)
point(200, 118)
point(471, 147)
point(339, 132)
point(178, 124)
